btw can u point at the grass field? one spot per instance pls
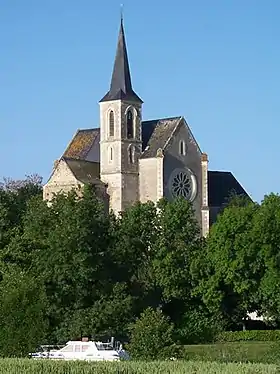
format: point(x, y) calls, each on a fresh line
point(25, 366)
point(256, 352)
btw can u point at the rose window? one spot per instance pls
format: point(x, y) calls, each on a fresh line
point(181, 185)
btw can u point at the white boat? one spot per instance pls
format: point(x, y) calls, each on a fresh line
point(84, 350)
point(43, 351)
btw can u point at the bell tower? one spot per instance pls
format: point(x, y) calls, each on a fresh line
point(120, 133)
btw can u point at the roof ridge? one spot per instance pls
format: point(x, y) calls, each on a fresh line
point(220, 171)
point(162, 119)
point(65, 158)
point(89, 129)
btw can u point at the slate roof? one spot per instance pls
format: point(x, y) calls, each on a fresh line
point(121, 87)
point(221, 184)
point(84, 171)
point(81, 143)
point(155, 134)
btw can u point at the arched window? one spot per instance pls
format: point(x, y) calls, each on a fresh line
point(111, 124)
point(182, 148)
point(131, 154)
point(129, 124)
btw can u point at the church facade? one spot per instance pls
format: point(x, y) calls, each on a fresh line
point(128, 159)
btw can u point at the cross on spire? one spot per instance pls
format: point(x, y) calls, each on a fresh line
point(121, 12)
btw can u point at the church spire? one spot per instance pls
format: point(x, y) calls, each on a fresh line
point(121, 87)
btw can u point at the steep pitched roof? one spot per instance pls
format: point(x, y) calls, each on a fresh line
point(121, 87)
point(81, 143)
point(221, 184)
point(156, 133)
point(84, 171)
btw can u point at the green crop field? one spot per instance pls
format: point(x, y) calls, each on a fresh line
point(25, 366)
point(254, 352)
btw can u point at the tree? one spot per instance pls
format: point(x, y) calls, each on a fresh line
point(68, 246)
point(237, 200)
point(77, 262)
point(30, 238)
point(156, 246)
point(150, 334)
point(109, 316)
point(14, 196)
point(100, 271)
point(177, 245)
point(230, 268)
point(23, 304)
point(266, 233)
point(134, 235)
point(32, 182)
point(198, 325)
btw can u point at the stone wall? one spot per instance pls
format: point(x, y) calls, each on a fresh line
point(113, 182)
point(150, 179)
point(190, 161)
point(61, 180)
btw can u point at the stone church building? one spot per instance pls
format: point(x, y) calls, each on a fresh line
point(128, 159)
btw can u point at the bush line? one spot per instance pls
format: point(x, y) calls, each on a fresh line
point(250, 335)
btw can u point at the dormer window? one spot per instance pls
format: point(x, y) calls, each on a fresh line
point(129, 124)
point(111, 123)
point(182, 148)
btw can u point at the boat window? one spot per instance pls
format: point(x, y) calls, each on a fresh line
point(104, 347)
point(100, 347)
point(68, 348)
point(85, 348)
point(77, 348)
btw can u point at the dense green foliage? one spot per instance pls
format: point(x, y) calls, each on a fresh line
point(150, 335)
point(240, 268)
point(75, 270)
point(95, 273)
point(15, 366)
point(23, 323)
point(250, 335)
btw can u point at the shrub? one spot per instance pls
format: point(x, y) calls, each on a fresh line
point(197, 327)
point(250, 335)
point(150, 334)
point(172, 352)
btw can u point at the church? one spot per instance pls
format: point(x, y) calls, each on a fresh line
point(128, 159)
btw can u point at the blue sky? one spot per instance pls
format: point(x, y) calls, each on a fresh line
point(214, 62)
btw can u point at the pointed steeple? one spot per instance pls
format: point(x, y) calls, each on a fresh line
point(121, 87)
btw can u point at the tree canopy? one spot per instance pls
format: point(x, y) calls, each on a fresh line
point(95, 273)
